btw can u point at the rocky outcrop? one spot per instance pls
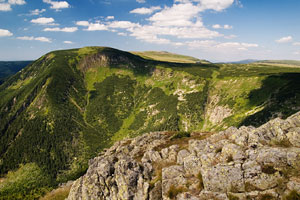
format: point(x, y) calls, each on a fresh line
point(244, 163)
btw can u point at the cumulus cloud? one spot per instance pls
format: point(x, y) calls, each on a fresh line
point(92, 26)
point(57, 5)
point(285, 39)
point(226, 26)
point(122, 34)
point(43, 20)
point(68, 42)
point(37, 12)
point(230, 36)
point(5, 7)
point(144, 11)
point(123, 24)
point(110, 17)
point(219, 46)
point(82, 23)
point(16, 2)
point(141, 1)
point(30, 38)
point(218, 26)
point(5, 33)
point(296, 43)
point(66, 29)
point(177, 15)
point(182, 20)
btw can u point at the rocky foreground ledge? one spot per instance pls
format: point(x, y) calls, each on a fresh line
point(245, 163)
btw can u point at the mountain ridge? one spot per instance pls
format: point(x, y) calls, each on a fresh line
point(67, 106)
point(244, 163)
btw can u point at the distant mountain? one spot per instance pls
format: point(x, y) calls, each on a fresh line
point(8, 68)
point(244, 61)
point(169, 57)
point(69, 105)
point(280, 62)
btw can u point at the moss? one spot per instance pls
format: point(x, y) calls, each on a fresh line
point(282, 143)
point(266, 197)
point(293, 195)
point(268, 169)
point(229, 158)
point(232, 197)
point(180, 134)
point(201, 184)
point(174, 191)
point(219, 150)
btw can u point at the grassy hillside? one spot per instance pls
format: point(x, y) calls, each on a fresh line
point(169, 57)
point(68, 105)
point(283, 63)
point(8, 68)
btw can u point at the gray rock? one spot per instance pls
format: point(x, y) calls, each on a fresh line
point(246, 163)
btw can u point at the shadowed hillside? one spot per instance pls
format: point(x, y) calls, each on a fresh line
point(67, 106)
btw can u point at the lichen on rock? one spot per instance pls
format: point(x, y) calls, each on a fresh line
point(242, 163)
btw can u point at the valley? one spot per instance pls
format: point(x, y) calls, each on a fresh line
point(67, 106)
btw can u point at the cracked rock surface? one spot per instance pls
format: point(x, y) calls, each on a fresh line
point(245, 163)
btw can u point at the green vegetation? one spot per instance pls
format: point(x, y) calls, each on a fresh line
point(67, 106)
point(180, 134)
point(293, 195)
point(28, 182)
point(168, 57)
point(174, 191)
point(9, 68)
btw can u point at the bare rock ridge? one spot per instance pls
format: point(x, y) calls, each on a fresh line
point(244, 163)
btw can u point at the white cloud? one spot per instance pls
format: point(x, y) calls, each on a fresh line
point(285, 39)
point(5, 7)
point(57, 5)
point(226, 26)
point(82, 23)
point(122, 34)
point(219, 46)
point(123, 24)
point(177, 15)
point(182, 20)
point(144, 11)
point(217, 5)
point(43, 20)
point(296, 53)
point(98, 26)
point(148, 31)
point(30, 38)
point(110, 17)
point(68, 42)
point(66, 29)
point(5, 33)
point(16, 2)
point(141, 1)
point(296, 43)
point(218, 26)
point(37, 12)
point(230, 36)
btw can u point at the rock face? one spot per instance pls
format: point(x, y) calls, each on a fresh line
point(244, 163)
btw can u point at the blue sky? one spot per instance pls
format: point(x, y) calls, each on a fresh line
point(216, 30)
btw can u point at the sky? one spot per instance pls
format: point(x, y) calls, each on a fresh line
point(215, 30)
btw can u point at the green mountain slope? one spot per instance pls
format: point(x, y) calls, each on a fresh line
point(8, 68)
point(169, 57)
point(68, 105)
